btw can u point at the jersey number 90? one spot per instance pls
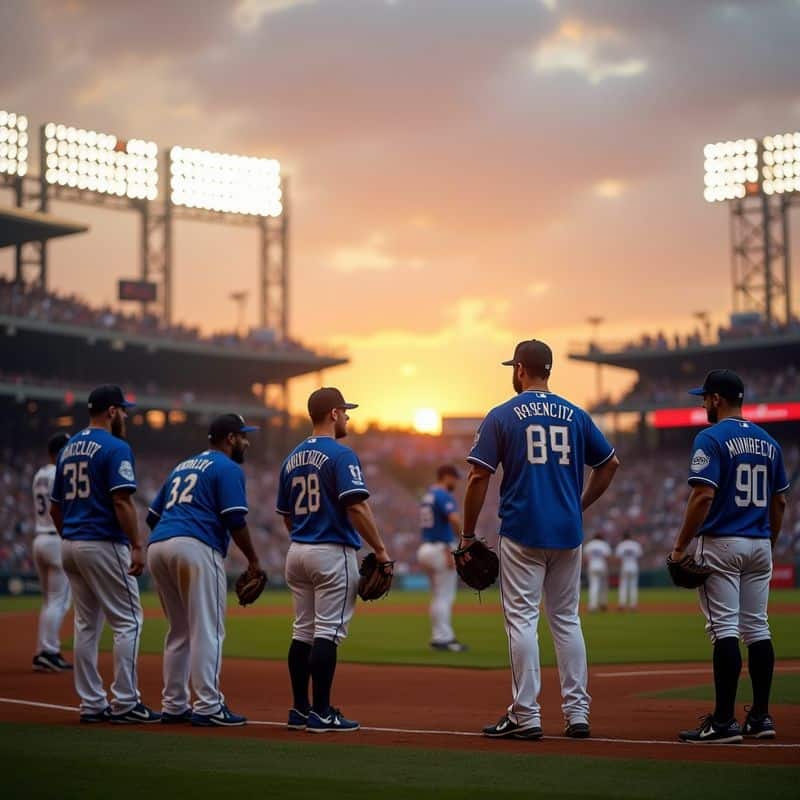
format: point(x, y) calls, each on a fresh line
point(751, 485)
point(537, 438)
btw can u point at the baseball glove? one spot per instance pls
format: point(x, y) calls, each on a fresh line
point(687, 573)
point(477, 565)
point(376, 578)
point(249, 586)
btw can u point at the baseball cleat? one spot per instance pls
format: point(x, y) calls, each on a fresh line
point(298, 721)
point(176, 719)
point(451, 647)
point(332, 722)
point(93, 717)
point(504, 728)
point(140, 714)
point(224, 718)
point(758, 727)
point(711, 731)
point(577, 730)
point(50, 662)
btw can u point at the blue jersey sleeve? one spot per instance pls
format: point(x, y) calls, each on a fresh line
point(780, 483)
point(350, 485)
point(486, 447)
point(121, 470)
point(597, 449)
point(705, 465)
point(231, 494)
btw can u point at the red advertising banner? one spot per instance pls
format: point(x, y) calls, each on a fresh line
point(783, 576)
point(694, 417)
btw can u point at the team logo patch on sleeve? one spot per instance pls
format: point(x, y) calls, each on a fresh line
point(700, 460)
point(126, 470)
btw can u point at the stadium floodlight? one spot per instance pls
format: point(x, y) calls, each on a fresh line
point(13, 143)
point(731, 170)
point(99, 162)
point(780, 170)
point(225, 183)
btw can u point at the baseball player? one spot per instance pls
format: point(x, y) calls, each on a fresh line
point(47, 558)
point(735, 508)
point(628, 551)
point(597, 552)
point(322, 498)
point(92, 508)
point(543, 442)
point(200, 507)
point(440, 525)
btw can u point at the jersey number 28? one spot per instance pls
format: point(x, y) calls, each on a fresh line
point(307, 501)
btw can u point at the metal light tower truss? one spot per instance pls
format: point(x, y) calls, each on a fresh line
point(760, 259)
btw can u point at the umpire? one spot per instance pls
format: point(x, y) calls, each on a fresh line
point(735, 508)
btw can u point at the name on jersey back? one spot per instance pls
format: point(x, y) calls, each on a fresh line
point(748, 445)
point(83, 447)
point(305, 457)
point(543, 408)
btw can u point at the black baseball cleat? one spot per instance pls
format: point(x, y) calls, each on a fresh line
point(184, 718)
point(50, 662)
point(577, 730)
point(758, 727)
point(713, 732)
point(94, 717)
point(504, 728)
point(140, 714)
point(453, 646)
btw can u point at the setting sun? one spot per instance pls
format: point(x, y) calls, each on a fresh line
point(426, 420)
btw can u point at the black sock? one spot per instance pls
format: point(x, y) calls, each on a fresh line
point(323, 667)
point(300, 672)
point(727, 666)
point(761, 663)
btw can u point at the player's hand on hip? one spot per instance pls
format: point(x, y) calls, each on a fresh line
point(137, 561)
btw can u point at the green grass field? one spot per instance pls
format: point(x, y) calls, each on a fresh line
point(785, 689)
point(401, 638)
point(88, 763)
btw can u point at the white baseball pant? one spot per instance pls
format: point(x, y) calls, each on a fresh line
point(190, 580)
point(323, 579)
point(628, 588)
point(598, 589)
point(55, 591)
point(525, 574)
point(102, 589)
point(735, 596)
point(437, 563)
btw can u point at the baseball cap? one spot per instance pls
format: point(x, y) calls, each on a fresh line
point(105, 396)
point(533, 355)
point(724, 382)
point(228, 423)
point(57, 442)
point(447, 469)
point(327, 398)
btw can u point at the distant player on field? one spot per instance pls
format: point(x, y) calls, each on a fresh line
point(47, 558)
point(441, 525)
point(597, 552)
point(628, 552)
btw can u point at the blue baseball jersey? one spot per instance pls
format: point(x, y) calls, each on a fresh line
point(195, 497)
point(436, 506)
point(744, 464)
point(543, 442)
point(92, 465)
point(318, 479)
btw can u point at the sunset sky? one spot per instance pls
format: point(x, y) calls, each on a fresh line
point(464, 174)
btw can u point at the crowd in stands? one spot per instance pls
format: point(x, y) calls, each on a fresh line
point(760, 386)
point(647, 499)
point(36, 304)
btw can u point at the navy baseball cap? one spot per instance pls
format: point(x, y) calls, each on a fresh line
point(228, 423)
point(724, 382)
point(533, 354)
point(448, 469)
point(326, 399)
point(105, 396)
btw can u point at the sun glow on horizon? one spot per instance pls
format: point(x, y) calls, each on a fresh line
point(427, 420)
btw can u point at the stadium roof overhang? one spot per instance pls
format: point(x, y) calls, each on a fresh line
point(18, 226)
